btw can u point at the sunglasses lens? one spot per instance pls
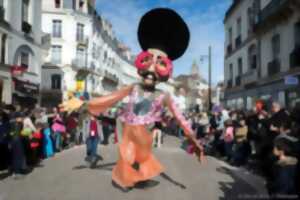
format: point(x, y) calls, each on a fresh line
point(164, 67)
point(143, 60)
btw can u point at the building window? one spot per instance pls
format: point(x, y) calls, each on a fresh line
point(25, 11)
point(94, 50)
point(81, 3)
point(56, 28)
point(239, 27)
point(250, 14)
point(230, 35)
point(74, 4)
point(24, 59)
point(276, 46)
point(68, 4)
point(2, 10)
point(3, 48)
point(297, 35)
point(56, 82)
point(56, 54)
point(230, 71)
point(240, 66)
point(105, 56)
point(98, 51)
point(252, 58)
point(80, 56)
point(57, 3)
point(80, 32)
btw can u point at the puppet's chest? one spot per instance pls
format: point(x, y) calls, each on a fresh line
point(143, 103)
point(143, 107)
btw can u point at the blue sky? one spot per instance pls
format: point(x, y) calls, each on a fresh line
point(204, 18)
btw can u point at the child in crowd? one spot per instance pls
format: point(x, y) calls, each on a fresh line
point(36, 144)
point(157, 134)
point(228, 137)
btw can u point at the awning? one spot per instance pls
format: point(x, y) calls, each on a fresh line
point(26, 87)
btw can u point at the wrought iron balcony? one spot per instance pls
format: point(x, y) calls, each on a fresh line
point(273, 12)
point(273, 67)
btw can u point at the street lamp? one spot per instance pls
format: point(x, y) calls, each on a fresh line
point(202, 57)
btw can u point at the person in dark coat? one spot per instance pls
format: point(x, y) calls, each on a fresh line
point(18, 158)
point(4, 139)
point(283, 184)
point(279, 117)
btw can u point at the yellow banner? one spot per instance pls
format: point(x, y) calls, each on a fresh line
point(79, 85)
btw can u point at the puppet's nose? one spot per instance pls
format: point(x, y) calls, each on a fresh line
point(152, 68)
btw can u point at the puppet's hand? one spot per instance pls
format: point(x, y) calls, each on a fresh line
point(199, 150)
point(71, 105)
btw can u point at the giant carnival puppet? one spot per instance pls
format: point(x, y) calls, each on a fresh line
point(164, 37)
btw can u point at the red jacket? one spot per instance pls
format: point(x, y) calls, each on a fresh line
point(36, 139)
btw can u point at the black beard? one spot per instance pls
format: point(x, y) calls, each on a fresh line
point(144, 74)
point(149, 88)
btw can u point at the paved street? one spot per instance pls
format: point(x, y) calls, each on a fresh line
point(66, 177)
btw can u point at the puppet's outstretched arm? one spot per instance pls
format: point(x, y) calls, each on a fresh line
point(99, 104)
point(185, 125)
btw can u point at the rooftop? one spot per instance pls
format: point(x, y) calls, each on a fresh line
point(234, 4)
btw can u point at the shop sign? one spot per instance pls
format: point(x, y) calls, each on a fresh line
point(291, 80)
point(293, 95)
point(26, 87)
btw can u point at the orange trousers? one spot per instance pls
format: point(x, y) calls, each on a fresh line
point(136, 147)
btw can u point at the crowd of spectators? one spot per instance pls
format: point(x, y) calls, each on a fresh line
point(27, 136)
point(265, 141)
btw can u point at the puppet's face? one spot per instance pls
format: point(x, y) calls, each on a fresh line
point(154, 66)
